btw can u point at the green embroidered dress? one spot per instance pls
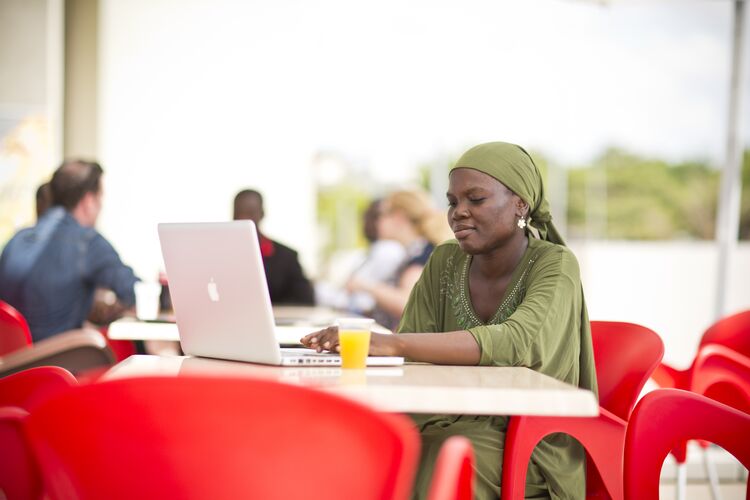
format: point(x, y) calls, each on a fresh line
point(542, 324)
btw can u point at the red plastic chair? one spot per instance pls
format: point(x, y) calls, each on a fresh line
point(732, 332)
point(122, 349)
point(453, 476)
point(722, 374)
point(28, 388)
point(191, 437)
point(625, 355)
point(14, 331)
point(667, 416)
point(19, 477)
point(717, 372)
point(20, 393)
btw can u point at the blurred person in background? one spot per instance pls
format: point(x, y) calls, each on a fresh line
point(43, 199)
point(410, 218)
point(49, 272)
point(287, 283)
point(380, 264)
point(505, 292)
point(105, 308)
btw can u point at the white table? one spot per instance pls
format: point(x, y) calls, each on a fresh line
point(308, 315)
point(412, 388)
point(132, 329)
point(293, 322)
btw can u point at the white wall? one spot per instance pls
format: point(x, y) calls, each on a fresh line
point(81, 79)
point(187, 119)
point(667, 286)
point(31, 71)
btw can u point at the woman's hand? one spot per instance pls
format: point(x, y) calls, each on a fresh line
point(323, 340)
point(357, 285)
point(328, 340)
point(448, 348)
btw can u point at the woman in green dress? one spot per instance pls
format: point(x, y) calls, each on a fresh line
point(505, 292)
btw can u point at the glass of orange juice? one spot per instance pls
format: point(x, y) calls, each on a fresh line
point(354, 341)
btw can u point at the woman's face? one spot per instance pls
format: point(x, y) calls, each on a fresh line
point(388, 222)
point(482, 212)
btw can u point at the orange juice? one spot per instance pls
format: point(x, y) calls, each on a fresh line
point(355, 344)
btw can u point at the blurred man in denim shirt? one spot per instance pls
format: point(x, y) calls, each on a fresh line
point(49, 271)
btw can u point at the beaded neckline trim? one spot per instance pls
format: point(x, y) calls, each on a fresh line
point(500, 314)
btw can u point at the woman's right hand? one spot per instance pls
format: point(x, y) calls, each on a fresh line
point(326, 339)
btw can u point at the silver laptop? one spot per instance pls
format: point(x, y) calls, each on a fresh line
point(220, 296)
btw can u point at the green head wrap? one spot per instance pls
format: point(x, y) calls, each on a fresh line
point(513, 166)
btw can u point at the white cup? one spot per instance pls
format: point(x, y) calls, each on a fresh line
point(147, 300)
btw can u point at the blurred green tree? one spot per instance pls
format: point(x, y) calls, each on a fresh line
point(620, 195)
point(340, 209)
point(745, 203)
point(643, 198)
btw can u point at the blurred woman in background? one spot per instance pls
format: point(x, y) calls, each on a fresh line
point(410, 218)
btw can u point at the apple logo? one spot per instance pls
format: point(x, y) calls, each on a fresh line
point(213, 291)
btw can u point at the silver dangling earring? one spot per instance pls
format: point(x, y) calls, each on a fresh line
point(521, 222)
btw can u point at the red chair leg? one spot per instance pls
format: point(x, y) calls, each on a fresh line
point(515, 464)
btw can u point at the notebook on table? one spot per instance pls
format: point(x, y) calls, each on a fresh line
point(220, 296)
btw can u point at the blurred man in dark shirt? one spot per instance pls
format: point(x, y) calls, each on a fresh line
point(287, 283)
point(49, 271)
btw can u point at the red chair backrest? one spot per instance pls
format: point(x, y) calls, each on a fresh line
point(667, 416)
point(625, 354)
point(14, 331)
point(20, 393)
point(732, 331)
point(19, 477)
point(28, 388)
point(192, 437)
point(453, 476)
point(722, 374)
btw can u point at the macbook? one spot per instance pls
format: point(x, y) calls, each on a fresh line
point(223, 309)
